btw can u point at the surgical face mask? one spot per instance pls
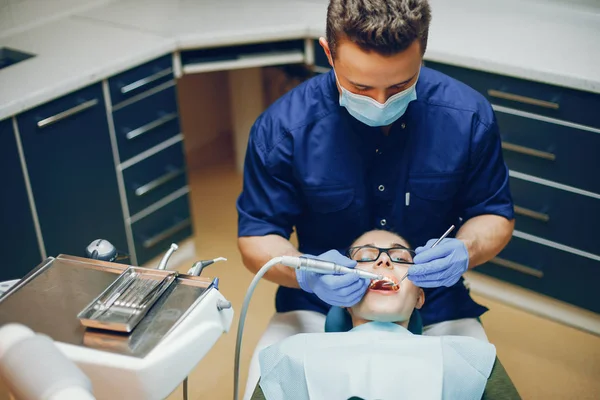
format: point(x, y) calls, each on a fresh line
point(372, 112)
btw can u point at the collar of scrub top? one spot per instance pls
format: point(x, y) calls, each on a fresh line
point(381, 326)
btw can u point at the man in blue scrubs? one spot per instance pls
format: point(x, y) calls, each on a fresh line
point(379, 142)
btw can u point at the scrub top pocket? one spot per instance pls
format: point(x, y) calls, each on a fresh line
point(328, 199)
point(431, 196)
point(333, 215)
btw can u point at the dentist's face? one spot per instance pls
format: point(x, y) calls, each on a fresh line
point(371, 74)
point(381, 303)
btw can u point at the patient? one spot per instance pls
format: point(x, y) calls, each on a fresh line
point(379, 358)
point(383, 303)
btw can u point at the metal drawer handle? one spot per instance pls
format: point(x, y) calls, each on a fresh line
point(532, 214)
point(246, 61)
point(68, 113)
point(522, 99)
point(161, 180)
point(528, 151)
point(151, 125)
point(149, 79)
point(517, 267)
point(166, 233)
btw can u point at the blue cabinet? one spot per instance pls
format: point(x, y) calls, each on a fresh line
point(136, 81)
point(155, 177)
point(547, 270)
point(146, 123)
point(550, 141)
point(19, 245)
point(154, 233)
point(67, 149)
point(152, 161)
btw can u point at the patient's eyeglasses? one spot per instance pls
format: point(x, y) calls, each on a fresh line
point(398, 255)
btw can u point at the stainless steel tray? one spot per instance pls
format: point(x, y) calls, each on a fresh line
point(122, 305)
point(50, 297)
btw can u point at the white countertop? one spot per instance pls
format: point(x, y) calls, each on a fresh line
point(543, 42)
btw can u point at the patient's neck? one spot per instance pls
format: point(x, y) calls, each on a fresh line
point(356, 321)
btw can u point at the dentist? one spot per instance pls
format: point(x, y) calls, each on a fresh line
point(380, 142)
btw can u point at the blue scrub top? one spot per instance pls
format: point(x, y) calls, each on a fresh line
point(312, 166)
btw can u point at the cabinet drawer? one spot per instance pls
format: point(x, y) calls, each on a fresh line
point(140, 79)
point(155, 177)
point(72, 172)
point(550, 151)
point(556, 215)
point(539, 98)
point(549, 271)
point(19, 245)
point(154, 233)
point(146, 123)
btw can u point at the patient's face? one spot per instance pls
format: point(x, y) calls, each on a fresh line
point(386, 305)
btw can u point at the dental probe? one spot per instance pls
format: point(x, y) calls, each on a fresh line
point(432, 246)
point(326, 267)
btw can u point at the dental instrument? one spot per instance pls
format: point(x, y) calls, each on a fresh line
point(198, 266)
point(308, 264)
point(432, 246)
point(326, 267)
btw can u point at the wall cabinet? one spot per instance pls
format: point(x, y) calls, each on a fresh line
point(18, 243)
point(68, 153)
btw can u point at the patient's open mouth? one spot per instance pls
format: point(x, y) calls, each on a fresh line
point(384, 285)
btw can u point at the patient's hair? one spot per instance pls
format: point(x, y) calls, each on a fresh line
point(383, 230)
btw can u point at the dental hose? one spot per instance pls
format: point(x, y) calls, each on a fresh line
point(238, 342)
point(308, 264)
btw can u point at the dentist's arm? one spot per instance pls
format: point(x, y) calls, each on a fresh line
point(258, 250)
point(484, 237)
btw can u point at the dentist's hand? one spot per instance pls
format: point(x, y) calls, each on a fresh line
point(442, 265)
point(337, 290)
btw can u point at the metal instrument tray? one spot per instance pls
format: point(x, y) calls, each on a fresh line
point(127, 300)
point(50, 297)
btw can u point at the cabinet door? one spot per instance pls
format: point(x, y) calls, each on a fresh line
point(18, 246)
point(71, 167)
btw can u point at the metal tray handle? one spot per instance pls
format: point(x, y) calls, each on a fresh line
point(66, 114)
point(151, 125)
point(144, 81)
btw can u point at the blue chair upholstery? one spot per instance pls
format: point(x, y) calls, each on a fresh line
point(339, 320)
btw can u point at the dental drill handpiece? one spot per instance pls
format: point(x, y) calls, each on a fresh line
point(326, 267)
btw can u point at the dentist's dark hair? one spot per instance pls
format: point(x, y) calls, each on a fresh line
point(386, 27)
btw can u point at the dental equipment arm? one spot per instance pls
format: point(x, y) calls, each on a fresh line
point(309, 264)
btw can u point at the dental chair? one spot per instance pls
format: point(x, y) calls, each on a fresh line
point(499, 385)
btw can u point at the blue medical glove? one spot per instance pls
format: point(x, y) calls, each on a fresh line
point(337, 290)
point(442, 265)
